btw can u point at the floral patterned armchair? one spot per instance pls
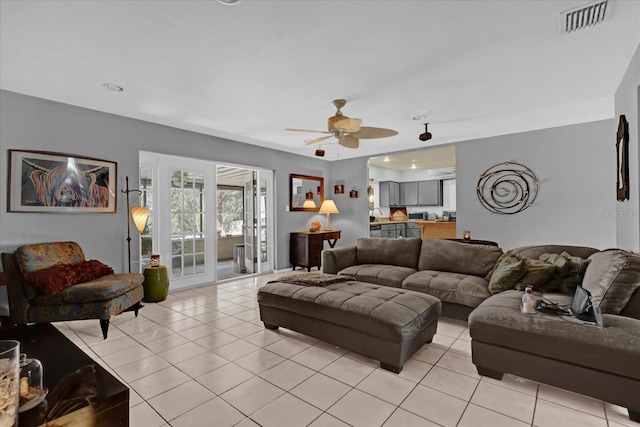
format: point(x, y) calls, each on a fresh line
point(51, 282)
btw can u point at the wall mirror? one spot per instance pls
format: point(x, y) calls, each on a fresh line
point(622, 148)
point(306, 192)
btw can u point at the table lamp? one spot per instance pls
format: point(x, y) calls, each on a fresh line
point(309, 204)
point(328, 207)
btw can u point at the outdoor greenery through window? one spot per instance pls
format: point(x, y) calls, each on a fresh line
point(230, 210)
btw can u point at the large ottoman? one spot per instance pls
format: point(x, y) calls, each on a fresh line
point(384, 323)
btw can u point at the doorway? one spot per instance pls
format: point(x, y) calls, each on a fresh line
point(208, 221)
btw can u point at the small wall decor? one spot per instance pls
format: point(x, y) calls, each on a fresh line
point(353, 194)
point(338, 189)
point(42, 181)
point(507, 188)
point(622, 154)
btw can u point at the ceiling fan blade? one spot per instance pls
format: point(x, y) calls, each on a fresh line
point(307, 130)
point(349, 141)
point(347, 124)
point(322, 138)
point(366, 132)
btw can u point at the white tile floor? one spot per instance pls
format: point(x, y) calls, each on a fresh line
point(203, 358)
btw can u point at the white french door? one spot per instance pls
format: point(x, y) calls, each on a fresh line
point(183, 214)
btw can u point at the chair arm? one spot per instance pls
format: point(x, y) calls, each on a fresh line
point(337, 259)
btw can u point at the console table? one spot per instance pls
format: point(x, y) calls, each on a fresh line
point(60, 357)
point(306, 247)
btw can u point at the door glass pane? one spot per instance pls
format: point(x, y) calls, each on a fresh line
point(187, 223)
point(146, 239)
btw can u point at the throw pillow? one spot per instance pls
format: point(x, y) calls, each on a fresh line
point(577, 265)
point(54, 279)
point(507, 272)
point(561, 263)
point(538, 273)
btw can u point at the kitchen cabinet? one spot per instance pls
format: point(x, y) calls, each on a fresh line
point(413, 230)
point(409, 193)
point(429, 193)
point(389, 193)
point(392, 230)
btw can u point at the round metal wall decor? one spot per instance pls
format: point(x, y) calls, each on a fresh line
point(507, 188)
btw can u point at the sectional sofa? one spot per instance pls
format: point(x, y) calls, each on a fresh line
point(483, 285)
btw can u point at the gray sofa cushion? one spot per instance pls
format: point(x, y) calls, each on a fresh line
point(612, 276)
point(534, 251)
point(449, 287)
point(386, 275)
point(458, 257)
point(614, 348)
point(403, 252)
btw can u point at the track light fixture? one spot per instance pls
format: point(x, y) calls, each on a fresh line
point(426, 135)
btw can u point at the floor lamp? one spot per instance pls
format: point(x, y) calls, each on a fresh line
point(139, 215)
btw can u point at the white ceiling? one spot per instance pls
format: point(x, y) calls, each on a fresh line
point(247, 72)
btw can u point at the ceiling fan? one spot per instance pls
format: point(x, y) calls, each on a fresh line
point(348, 131)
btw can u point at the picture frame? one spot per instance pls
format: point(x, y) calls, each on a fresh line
point(338, 189)
point(50, 182)
point(353, 194)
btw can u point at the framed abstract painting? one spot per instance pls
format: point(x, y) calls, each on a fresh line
point(42, 181)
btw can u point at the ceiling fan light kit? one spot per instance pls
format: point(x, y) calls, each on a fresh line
point(348, 131)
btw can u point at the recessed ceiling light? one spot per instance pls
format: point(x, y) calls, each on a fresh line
point(386, 159)
point(229, 2)
point(113, 87)
point(413, 166)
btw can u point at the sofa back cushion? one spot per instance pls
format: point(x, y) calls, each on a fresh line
point(458, 257)
point(45, 255)
point(534, 251)
point(612, 276)
point(403, 252)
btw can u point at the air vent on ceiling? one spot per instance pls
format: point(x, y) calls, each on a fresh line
point(584, 16)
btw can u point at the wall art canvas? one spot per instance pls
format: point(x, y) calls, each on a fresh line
point(41, 181)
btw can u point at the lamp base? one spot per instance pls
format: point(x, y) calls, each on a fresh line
point(328, 229)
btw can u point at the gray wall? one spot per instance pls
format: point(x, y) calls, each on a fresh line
point(628, 103)
point(36, 124)
point(576, 168)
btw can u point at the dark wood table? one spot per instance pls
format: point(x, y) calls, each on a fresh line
point(69, 372)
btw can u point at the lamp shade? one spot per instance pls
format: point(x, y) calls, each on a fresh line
point(140, 215)
point(309, 204)
point(328, 207)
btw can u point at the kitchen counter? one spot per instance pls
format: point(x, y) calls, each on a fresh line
point(437, 229)
point(428, 229)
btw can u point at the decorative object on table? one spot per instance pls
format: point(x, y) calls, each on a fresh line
point(338, 189)
point(155, 260)
point(43, 181)
point(9, 382)
point(622, 154)
point(353, 194)
point(328, 207)
point(466, 235)
point(507, 188)
point(315, 226)
point(32, 393)
point(347, 131)
point(140, 214)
